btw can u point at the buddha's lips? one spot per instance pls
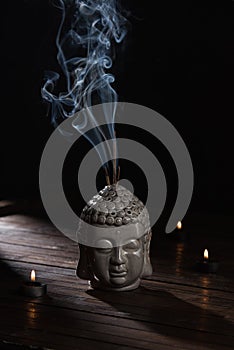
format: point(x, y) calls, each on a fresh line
point(118, 273)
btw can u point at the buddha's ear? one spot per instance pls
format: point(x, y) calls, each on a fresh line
point(83, 270)
point(147, 269)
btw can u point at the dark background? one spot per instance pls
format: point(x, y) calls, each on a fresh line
point(177, 59)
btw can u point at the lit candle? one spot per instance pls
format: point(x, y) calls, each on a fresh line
point(33, 276)
point(206, 264)
point(179, 233)
point(179, 225)
point(33, 288)
point(206, 255)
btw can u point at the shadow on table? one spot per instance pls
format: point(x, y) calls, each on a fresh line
point(168, 319)
point(164, 314)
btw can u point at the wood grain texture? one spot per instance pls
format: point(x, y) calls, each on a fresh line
point(175, 308)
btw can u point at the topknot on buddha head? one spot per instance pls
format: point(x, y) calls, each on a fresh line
point(115, 206)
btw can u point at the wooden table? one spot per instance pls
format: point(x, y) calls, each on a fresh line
point(176, 308)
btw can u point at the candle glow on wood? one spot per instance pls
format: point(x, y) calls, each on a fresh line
point(206, 255)
point(33, 276)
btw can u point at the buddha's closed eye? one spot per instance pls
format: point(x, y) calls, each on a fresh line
point(133, 245)
point(104, 246)
point(104, 250)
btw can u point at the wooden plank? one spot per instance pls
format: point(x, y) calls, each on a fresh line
point(32, 240)
point(168, 275)
point(39, 256)
point(162, 303)
point(28, 223)
point(42, 340)
point(53, 273)
point(39, 250)
point(123, 334)
point(186, 318)
point(93, 308)
point(130, 304)
point(174, 308)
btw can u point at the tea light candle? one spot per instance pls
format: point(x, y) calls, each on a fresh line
point(33, 288)
point(206, 265)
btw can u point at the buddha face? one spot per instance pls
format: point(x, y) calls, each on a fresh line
point(117, 267)
point(114, 238)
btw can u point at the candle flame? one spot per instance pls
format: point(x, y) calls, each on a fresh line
point(33, 276)
point(179, 225)
point(206, 254)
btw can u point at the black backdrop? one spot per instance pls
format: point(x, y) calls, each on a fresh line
point(178, 60)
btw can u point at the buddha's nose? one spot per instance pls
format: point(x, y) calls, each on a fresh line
point(117, 257)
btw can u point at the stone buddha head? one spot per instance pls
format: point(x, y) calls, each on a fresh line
point(114, 240)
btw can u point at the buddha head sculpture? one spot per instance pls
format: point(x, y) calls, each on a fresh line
point(114, 240)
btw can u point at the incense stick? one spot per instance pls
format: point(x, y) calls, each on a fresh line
point(114, 160)
point(118, 176)
point(107, 176)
